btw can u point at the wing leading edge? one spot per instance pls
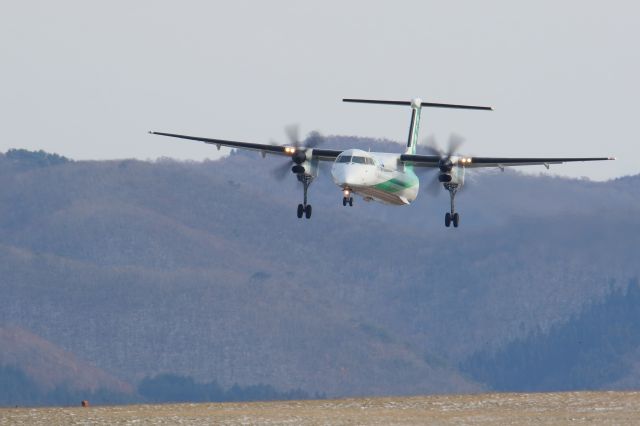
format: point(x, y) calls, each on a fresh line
point(500, 162)
point(321, 154)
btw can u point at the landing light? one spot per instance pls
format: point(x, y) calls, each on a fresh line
point(289, 150)
point(346, 192)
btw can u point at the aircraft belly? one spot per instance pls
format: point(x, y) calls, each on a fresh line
point(398, 198)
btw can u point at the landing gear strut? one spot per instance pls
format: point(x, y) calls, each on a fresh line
point(451, 217)
point(304, 209)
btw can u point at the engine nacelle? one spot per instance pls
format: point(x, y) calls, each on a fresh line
point(304, 164)
point(455, 176)
point(309, 168)
point(444, 177)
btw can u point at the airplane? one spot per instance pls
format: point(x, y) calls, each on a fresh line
point(385, 177)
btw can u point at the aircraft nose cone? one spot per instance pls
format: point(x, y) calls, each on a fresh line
point(338, 174)
point(345, 176)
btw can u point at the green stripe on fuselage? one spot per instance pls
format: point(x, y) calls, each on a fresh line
point(395, 185)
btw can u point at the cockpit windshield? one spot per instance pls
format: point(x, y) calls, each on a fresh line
point(355, 160)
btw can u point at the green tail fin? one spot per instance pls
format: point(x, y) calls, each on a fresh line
point(414, 127)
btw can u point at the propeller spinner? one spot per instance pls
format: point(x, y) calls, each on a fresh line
point(445, 164)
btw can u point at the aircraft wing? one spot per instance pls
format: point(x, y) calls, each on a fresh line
point(475, 162)
point(321, 154)
point(420, 160)
point(503, 162)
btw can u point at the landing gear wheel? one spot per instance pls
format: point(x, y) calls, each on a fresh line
point(456, 220)
point(447, 219)
point(307, 211)
point(300, 210)
point(344, 201)
point(350, 201)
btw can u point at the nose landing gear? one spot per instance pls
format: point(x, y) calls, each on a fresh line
point(347, 199)
point(451, 217)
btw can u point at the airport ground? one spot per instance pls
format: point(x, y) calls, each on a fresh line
point(602, 408)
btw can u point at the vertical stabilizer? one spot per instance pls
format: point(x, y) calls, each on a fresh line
point(414, 127)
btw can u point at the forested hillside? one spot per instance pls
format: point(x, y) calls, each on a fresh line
point(589, 351)
point(202, 270)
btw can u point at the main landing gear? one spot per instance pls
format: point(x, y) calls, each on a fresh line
point(305, 209)
point(347, 199)
point(451, 217)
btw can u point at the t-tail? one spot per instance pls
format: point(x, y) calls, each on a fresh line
point(416, 107)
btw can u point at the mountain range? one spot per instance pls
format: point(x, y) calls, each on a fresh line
point(201, 269)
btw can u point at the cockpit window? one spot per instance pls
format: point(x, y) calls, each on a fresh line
point(355, 159)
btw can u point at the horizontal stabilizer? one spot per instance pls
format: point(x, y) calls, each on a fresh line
point(424, 104)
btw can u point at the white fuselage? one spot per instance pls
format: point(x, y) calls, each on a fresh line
point(375, 176)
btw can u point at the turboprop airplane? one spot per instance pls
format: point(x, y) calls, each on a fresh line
point(385, 177)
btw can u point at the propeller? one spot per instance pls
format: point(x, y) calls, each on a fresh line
point(444, 164)
point(299, 155)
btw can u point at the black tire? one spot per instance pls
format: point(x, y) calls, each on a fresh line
point(344, 201)
point(447, 219)
point(456, 220)
point(307, 211)
point(300, 210)
point(350, 201)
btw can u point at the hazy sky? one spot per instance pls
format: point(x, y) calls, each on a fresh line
point(88, 79)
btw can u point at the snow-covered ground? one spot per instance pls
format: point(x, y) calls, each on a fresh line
point(615, 408)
